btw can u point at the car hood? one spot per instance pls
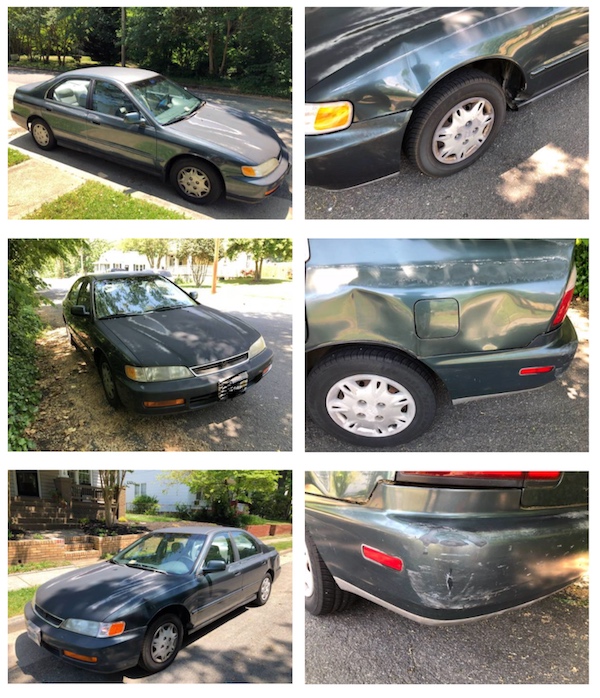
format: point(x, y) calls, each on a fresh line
point(102, 590)
point(240, 134)
point(180, 337)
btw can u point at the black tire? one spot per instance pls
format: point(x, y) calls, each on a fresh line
point(321, 593)
point(162, 642)
point(264, 591)
point(469, 107)
point(42, 134)
point(372, 397)
point(108, 383)
point(196, 181)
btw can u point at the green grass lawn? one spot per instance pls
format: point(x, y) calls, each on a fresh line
point(36, 566)
point(17, 600)
point(96, 201)
point(15, 157)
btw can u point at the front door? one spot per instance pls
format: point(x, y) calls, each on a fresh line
point(27, 483)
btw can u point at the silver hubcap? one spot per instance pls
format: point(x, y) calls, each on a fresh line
point(107, 380)
point(41, 135)
point(265, 589)
point(370, 405)
point(309, 583)
point(164, 642)
point(463, 130)
point(193, 182)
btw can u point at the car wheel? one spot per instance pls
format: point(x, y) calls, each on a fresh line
point(264, 591)
point(371, 398)
point(162, 642)
point(456, 123)
point(42, 134)
point(196, 181)
point(321, 593)
point(109, 384)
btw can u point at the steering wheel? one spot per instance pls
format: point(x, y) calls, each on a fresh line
point(165, 102)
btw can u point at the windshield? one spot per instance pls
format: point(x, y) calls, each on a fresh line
point(165, 100)
point(169, 553)
point(137, 295)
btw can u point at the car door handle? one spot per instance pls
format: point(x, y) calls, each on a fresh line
point(95, 120)
point(236, 574)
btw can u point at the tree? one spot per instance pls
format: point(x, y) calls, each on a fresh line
point(277, 249)
point(226, 486)
point(201, 252)
point(112, 482)
point(154, 249)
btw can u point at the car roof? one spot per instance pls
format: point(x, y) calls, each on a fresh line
point(200, 530)
point(120, 274)
point(117, 73)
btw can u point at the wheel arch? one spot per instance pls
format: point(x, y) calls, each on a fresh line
point(177, 610)
point(185, 156)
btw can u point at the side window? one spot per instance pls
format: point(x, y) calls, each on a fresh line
point(72, 92)
point(83, 297)
point(245, 545)
point(74, 291)
point(110, 99)
point(220, 549)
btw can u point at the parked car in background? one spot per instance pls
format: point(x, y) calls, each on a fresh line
point(391, 323)
point(138, 607)
point(443, 546)
point(143, 120)
point(432, 82)
point(156, 348)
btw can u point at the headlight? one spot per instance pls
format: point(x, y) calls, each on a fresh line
point(327, 117)
point(152, 374)
point(261, 170)
point(93, 628)
point(257, 347)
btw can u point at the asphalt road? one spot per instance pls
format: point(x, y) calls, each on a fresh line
point(553, 418)
point(545, 643)
point(251, 645)
point(276, 112)
point(538, 168)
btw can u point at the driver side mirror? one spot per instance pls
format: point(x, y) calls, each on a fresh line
point(79, 311)
point(215, 566)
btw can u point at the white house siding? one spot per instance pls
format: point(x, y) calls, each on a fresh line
point(150, 483)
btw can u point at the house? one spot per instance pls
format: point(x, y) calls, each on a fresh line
point(152, 484)
point(46, 499)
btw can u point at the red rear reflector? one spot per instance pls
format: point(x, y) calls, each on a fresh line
point(535, 369)
point(384, 559)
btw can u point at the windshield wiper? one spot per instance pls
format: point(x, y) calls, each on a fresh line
point(185, 115)
point(141, 565)
point(110, 317)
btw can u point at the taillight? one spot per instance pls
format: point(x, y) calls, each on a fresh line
point(565, 302)
point(490, 478)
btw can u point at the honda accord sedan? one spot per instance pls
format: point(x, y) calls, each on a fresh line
point(432, 82)
point(143, 120)
point(156, 348)
point(137, 607)
point(443, 546)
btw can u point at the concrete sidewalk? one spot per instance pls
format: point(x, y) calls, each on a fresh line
point(37, 181)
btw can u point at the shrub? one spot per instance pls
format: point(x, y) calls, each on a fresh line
point(582, 258)
point(145, 504)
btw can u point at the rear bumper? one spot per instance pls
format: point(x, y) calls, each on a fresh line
point(195, 392)
point(490, 373)
point(364, 152)
point(456, 566)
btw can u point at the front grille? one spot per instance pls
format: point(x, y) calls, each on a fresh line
point(48, 617)
point(219, 365)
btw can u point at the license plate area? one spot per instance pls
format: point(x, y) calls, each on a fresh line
point(34, 633)
point(232, 386)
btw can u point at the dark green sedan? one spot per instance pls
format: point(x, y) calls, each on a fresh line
point(143, 120)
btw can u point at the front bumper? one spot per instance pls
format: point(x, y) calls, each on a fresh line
point(196, 392)
point(495, 372)
point(365, 151)
point(253, 190)
point(460, 562)
point(111, 654)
